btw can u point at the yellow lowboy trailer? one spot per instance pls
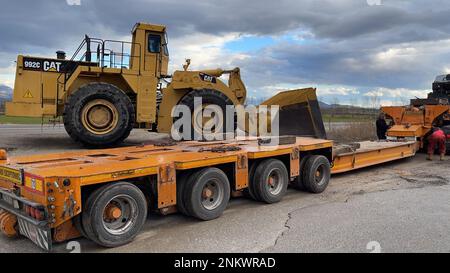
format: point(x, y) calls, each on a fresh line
point(105, 195)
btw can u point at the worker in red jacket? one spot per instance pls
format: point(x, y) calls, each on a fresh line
point(437, 137)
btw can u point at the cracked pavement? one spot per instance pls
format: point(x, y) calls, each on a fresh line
point(402, 205)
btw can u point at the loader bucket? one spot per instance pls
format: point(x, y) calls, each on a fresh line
point(299, 113)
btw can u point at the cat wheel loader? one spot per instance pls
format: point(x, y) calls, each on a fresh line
point(110, 87)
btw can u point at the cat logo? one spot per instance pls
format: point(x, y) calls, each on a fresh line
point(52, 66)
point(28, 95)
point(207, 78)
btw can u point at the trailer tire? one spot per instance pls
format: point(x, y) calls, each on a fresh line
point(270, 181)
point(316, 174)
point(207, 193)
point(181, 185)
point(107, 227)
point(298, 181)
point(79, 226)
point(85, 218)
point(99, 115)
point(249, 191)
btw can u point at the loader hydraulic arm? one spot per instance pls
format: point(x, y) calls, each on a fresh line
point(235, 82)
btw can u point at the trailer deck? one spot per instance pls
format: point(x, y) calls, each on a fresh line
point(46, 194)
point(371, 153)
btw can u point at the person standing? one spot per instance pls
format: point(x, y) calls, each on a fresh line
point(382, 127)
point(437, 138)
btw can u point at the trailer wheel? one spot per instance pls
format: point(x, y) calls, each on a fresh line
point(99, 114)
point(270, 181)
point(85, 220)
point(249, 191)
point(79, 226)
point(181, 185)
point(298, 181)
point(207, 193)
point(316, 174)
point(114, 214)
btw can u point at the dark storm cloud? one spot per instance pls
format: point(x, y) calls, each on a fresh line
point(44, 23)
point(348, 32)
point(362, 63)
point(28, 25)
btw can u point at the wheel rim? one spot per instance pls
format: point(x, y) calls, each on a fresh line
point(99, 116)
point(274, 183)
point(120, 214)
point(212, 194)
point(199, 121)
point(319, 175)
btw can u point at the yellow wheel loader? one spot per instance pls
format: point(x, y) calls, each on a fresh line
point(110, 87)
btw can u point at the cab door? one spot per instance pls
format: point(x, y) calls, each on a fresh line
point(152, 53)
point(148, 81)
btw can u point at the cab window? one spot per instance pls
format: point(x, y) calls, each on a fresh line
point(154, 43)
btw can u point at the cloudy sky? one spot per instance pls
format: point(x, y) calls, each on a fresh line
point(354, 51)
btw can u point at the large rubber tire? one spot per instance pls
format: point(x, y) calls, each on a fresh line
point(209, 97)
point(85, 219)
point(94, 212)
point(264, 191)
point(298, 181)
point(182, 180)
point(249, 191)
point(73, 109)
point(194, 190)
point(79, 226)
point(316, 175)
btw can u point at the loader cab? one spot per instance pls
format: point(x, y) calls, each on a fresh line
point(150, 42)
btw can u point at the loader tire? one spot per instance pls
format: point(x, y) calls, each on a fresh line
point(270, 181)
point(298, 181)
point(99, 115)
point(206, 194)
point(114, 214)
point(316, 174)
point(209, 97)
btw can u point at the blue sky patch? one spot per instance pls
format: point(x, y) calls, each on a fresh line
point(249, 43)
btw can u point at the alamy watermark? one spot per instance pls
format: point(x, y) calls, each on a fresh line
point(374, 247)
point(374, 2)
point(73, 247)
point(73, 2)
point(213, 122)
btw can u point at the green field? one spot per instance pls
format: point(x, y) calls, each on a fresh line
point(22, 120)
point(347, 118)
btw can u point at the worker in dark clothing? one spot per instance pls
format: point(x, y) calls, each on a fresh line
point(437, 138)
point(382, 127)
